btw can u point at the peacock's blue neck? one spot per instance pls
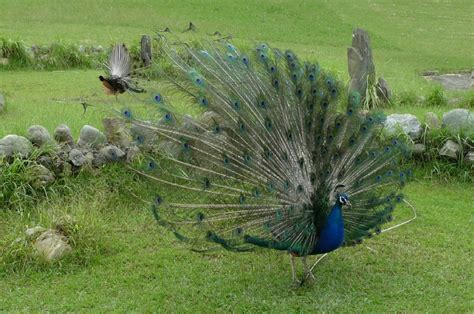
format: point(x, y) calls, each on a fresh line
point(332, 234)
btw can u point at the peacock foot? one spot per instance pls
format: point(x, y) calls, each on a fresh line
point(308, 278)
point(295, 284)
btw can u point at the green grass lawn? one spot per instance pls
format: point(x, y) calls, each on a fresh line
point(124, 262)
point(419, 267)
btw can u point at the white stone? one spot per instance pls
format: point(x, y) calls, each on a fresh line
point(459, 120)
point(14, 144)
point(450, 149)
point(33, 232)
point(52, 246)
point(408, 123)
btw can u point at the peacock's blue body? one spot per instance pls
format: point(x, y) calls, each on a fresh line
point(332, 233)
point(282, 157)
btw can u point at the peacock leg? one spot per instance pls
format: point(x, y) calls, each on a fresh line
point(308, 274)
point(293, 270)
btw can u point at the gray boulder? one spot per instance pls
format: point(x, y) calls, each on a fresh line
point(431, 120)
point(383, 90)
point(408, 123)
point(111, 153)
point(3, 105)
point(52, 246)
point(77, 158)
point(450, 149)
point(459, 120)
point(418, 149)
point(90, 136)
point(469, 158)
point(39, 135)
point(15, 145)
point(40, 177)
point(63, 135)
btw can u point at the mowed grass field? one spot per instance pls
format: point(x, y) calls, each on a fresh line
point(124, 262)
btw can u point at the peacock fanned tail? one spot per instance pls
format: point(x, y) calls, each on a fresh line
point(278, 141)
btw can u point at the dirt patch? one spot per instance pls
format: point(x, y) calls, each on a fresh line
point(453, 81)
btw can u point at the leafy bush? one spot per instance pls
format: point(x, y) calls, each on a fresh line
point(436, 98)
point(16, 53)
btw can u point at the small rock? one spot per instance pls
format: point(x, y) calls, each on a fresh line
point(63, 135)
point(52, 246)
point(15, 145)
point(459, 120)
point(3, 105)
point(46, 161)
point(111, 153)
point(418, 149)
point(452, 81)
point(90, 136)
point(39, 135)
point(431, 119)
point(407, 122)
point(450, 149)
point(116, 132)
point(77, 158)
point(32, 233)
point(469, 158)
point(40, 177)
point(383, 90)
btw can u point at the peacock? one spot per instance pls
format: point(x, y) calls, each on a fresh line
point(283, 157)
point(119, 72)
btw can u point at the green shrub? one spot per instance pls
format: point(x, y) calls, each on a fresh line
point(16, 53)
point(436, 98)
point(61, 56)
point(407, 98)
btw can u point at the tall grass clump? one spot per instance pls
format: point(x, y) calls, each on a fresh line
point(63, 56)
point(16, 53)
point(436, 98)
point(57, 56)
point(22, 183)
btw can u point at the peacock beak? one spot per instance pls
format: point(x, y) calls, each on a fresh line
point(348, 204)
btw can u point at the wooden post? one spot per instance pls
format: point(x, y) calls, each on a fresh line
point(145, 52)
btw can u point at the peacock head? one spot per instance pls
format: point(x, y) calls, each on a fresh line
point(341, 197)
